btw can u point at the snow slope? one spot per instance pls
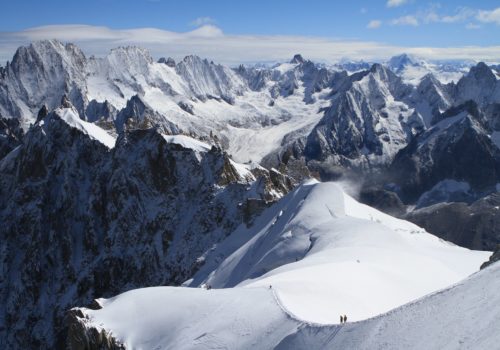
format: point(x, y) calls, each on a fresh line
point(324, 255)
point(219, 100)
point(71, 117)
point(257, 113)
point(197, 96)
point(412, 69)
point(327, 254)
point(189, 318)
point(463, 316)
point(187, 142)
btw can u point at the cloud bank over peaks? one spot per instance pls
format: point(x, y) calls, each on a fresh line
point(211, 42)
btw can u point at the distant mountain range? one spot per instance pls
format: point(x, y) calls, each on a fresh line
point(124, 172)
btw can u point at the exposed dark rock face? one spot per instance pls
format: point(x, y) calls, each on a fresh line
point(479, 85)
point(42, 113)
point(297, 59)
point(83, 337)
point(168, 61)
point(474, 226)
point(11, 135)
point(186, 107)
point(81, 221)
point(384, 200)
point(139, 115)
point(458, 147)
point(40, 74)
point(353, 132)
point(493, 258)
point(430, 98)
point(100, 111)
point(305, 73)
point(65, 102)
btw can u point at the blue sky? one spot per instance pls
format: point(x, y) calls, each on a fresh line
point(398, 24)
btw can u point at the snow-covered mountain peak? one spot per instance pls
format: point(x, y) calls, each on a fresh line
point(382, 73)
point(207, 79)
point(482, 73)
point(46, 53)
point(168, 61)
point(400, 62)
point(297, 59)
point(367, 122)
point(429, 79)
point(47, 47)
point(130, 55)
point(431, 98)
point(412, 69)
point(284, 102)
point(70, 117)
point(479, 85)
point(188, 142)
point(41, 73)
point(184, 318)
point(317, 243)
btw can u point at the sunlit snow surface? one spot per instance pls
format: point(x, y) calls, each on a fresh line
point(252, 127)
point(187, 142)
point(311, 257)
point(71, 117)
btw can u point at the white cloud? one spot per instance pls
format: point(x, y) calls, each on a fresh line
point(472, 26)
point(405, 21)
point(461, 15)
point(201, 21)
point(374, 24)
point(210, 42)
point(431, 15)
point(492, 16)
point(396, 3)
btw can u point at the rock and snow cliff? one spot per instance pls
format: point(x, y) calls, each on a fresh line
point(314, 255)
point(132, 183)
point(255, 111)
point(84, 216)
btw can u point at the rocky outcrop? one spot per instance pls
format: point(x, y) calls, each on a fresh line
point(100, 112)
point(81, 220)
point(168, 61)
point(366, 124)
point(81, 336)
point(479, 85)
point(11, 135)
point(383, 200)
point(457, 147)
point(40, 74)
point(493, 258)
point(475, 226)
point(207, 79)
point(140, 115)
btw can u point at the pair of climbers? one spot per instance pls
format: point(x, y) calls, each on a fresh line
point(343, 319)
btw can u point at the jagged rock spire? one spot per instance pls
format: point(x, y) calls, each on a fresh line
point(297, 59)
point(168, 61)
point(42, 113)
point(65, 102)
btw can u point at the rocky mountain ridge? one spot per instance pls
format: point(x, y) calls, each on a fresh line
point(145, 166)
point(85, 215)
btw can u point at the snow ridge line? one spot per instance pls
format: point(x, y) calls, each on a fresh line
point(418, 301)
point(294, 317)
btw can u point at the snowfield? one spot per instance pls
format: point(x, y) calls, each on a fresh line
point(311, 257)
point(71, 117)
